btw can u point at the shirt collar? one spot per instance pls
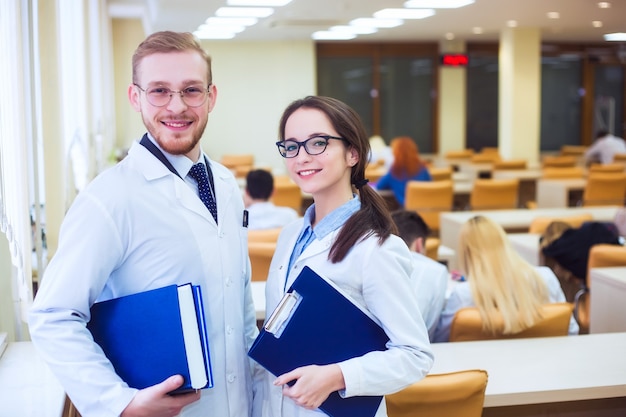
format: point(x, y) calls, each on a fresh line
point(334, 220)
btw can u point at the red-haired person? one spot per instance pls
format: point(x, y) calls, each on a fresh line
point(407, 166)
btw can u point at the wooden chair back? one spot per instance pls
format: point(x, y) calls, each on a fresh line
point(429, 198)
point(510, 164)
point(440, 173)
point(287, 193)
point(489, 157)
point(573, 150)
point(562, 172)
point(494, 194)
point(459, 154)
point(467, 324)
point(605, 189)
point(432, 248)
point(607, 168)
point(452, 394)
point(240, 164)
point(261, 254)
point(264, 235)
point(559, 161)
point(68, 409)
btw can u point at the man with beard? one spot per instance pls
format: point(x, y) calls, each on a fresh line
point(141, 225)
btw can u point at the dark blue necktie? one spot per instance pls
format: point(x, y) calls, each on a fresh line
point(198, 173)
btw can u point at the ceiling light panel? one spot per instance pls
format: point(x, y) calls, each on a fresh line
point(404, 13)
point(377, 23)
point(259, 12)
point(437, 4)
point(258, 3)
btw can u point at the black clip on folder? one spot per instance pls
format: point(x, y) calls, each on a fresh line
point(315, 324)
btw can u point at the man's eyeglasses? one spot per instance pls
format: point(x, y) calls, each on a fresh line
point(193, 96)
point(313, 146)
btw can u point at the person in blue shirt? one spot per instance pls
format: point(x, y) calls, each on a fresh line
point(347, 237)
point(407, 166)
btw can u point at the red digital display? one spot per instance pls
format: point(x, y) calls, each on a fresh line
point(454, 60)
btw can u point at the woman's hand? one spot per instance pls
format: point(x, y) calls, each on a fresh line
point(313, 384)
point(155, 401)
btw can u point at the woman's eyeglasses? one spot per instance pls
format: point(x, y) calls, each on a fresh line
point(313, 146)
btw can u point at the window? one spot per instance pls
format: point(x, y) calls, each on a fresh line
point(391, 86)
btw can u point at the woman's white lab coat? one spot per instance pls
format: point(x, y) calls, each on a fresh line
point(378, 280)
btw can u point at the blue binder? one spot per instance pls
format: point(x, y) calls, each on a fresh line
point(314, 324)
point(152, 335)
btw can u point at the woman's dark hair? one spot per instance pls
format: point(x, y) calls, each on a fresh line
point(373, 218)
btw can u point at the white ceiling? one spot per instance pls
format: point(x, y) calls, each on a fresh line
point(300, 18)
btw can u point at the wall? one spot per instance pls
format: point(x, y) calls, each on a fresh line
point(255, 82)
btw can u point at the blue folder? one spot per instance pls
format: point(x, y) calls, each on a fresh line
point(314, 324)
point(147, 336)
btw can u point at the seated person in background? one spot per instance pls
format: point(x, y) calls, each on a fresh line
point(498, 281)
point(406, 166)
point(604, 148)
point(262, 213)
point(570, 284)
point(570, 249)
point(430, 278)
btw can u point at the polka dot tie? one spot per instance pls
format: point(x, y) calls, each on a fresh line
point(198, 173)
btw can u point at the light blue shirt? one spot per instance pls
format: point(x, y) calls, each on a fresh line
point(333, 221)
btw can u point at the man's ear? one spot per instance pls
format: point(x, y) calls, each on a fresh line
point(134, 98)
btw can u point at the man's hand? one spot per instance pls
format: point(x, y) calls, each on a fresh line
point(154, 401)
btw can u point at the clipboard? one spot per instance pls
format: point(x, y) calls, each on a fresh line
point(316, 324)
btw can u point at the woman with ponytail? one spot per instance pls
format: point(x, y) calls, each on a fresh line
point(348, 237)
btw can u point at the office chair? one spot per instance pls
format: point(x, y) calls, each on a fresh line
point(261, 254)
point(467, 324)
point(494, 194)
point(605, 189)
point(539, 224)
point(601, 255)
point(452, 394)
point(429, 199)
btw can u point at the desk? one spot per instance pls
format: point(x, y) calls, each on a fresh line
point(513, 221)
point(608, 300)
point(543, 370)
point(559, 192)
point(527, 246)
point(27, 387)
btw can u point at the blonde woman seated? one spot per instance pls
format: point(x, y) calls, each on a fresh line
point(498, 281)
